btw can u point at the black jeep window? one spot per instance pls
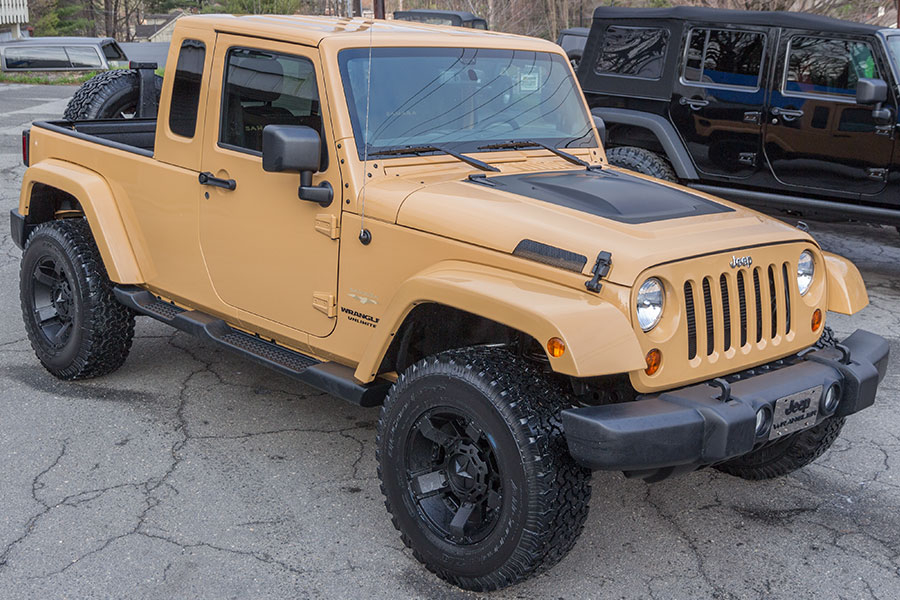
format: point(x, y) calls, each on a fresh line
point(633, 51)
point(827, 66)
point(264, 88)
point(186, 88)
point(724, 57)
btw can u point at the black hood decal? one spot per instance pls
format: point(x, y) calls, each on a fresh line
point(608, 194)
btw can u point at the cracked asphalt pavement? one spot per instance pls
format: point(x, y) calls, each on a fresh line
point(191, 473)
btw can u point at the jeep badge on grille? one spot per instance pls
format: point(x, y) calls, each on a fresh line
point(740, 261)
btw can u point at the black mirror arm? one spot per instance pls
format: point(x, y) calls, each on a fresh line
point(321, 194)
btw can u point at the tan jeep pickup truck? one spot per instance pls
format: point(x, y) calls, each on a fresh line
point(424, 218)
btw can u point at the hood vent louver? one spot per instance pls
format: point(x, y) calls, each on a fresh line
point(550, 255)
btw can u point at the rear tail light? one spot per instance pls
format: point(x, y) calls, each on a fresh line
point(26, 140)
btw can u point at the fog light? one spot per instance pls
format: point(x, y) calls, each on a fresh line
point(831, 399)
point(816, 320)
point(763, 421)
point(654, 360)
point(556, 347)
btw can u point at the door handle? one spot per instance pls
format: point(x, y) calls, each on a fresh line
point(207, 178)
point(787, 113)
point(694, 103)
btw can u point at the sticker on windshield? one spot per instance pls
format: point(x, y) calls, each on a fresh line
point(529, 82)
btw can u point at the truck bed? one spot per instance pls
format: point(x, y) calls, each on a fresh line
point(131, 135)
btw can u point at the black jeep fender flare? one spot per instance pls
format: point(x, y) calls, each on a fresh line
point(664, 131)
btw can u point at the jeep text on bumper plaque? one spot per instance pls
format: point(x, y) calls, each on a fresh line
point(795, 412)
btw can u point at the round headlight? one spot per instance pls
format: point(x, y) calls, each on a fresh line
point(650, 301)
point(805, 270)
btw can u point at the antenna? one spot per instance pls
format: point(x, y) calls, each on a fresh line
point(365, 236)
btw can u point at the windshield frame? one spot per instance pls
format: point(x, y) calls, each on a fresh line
point(588, 140)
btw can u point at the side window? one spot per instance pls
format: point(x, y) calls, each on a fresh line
point(186, 88)
point(633, 52)
point(264, 88)
point(827, 66)
point(84, 57)
point(36, 57)
point(724, 57)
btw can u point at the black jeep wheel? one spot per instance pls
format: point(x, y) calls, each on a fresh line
point(642, 161)
point(475, 470)
point(787, 455)
point(109, 95)
point(76, 327)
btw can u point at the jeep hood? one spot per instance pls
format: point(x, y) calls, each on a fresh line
point(641, 222)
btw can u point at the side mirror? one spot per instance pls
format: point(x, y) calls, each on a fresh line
point(296, 148)
point(871, 91)
point(600, 124)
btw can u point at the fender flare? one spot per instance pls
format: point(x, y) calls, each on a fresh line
point(661, 128)
point(846, 289)
point(599, 338)
point(100, 209)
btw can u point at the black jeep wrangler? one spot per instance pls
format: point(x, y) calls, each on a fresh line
point(783, 111)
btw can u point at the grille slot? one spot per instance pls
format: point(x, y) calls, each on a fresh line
point(710, 318)
point(742, 296)
point(758, 307)
point(773, 302)
point(726, 311)
point(691, 318)
point(787, 299)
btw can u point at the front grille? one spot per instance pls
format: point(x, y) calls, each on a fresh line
point(722, 313)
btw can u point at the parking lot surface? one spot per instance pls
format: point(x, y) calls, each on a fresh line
point(191, 473)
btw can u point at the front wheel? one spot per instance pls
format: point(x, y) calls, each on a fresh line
point(642, 161)
point(475, 470)
point(76, 327)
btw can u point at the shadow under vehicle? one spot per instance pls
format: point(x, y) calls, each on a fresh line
point(784, 111)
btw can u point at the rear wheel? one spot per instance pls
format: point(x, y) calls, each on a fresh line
point(76, 327)
point(642, 161)
point(475, 470)
point(109, 95)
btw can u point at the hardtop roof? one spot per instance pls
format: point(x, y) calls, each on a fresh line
point(57, 41)
point(311, 30)
point(797, 20)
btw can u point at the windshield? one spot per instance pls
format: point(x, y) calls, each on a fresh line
point(462, 98)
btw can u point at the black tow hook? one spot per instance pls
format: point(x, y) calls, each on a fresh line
point(723, 385)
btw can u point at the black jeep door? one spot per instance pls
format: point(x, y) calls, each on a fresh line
point(718, 100)
point(816, 137)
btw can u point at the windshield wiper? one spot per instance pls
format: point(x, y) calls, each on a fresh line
point(420, 149)
point(516, 144)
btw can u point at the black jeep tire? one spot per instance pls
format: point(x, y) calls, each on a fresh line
point(109, 95)
point(76, 327)
point(641, 161)
point(787, 455)
point(476, 433)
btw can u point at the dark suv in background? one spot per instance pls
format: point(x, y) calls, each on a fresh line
point(779, 110)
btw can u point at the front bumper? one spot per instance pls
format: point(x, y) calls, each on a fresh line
point(687, 428)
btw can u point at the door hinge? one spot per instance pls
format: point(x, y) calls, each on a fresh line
point(600, 270)
point(753, 116)
point(327, 224)
point(877, 174)
point(886, 130)
point(324, 303)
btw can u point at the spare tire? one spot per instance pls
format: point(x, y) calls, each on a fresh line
point(109, 95)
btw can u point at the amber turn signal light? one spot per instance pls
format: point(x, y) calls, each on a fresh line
point(654, 360)
point(556, 347)
point(816, 320)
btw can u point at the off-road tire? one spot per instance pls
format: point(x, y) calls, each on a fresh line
point(787, 455)
point(642, 161)
point(108, 95)
point(545, 494)
point(100, 329)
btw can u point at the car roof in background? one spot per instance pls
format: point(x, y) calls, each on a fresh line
point(736, 17)
point(579, 31)
point(57, 41)
point(462, 14)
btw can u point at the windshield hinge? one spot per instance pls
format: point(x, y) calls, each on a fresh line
point(600, 270)
point(481, 178)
